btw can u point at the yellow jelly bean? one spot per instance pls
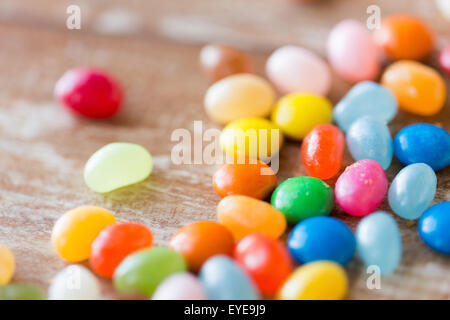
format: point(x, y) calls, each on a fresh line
point(239, 96)
point(74, 232)
point(319, 280)
point(296, 114)
point(243, 215)
point(256, 138)
point(7, 264)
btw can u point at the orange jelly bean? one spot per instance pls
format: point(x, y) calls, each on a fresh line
point(418, 88)
point(199, 241)
point(405, 36)
point(256, 180)
point(322, 151)
point(243, 215)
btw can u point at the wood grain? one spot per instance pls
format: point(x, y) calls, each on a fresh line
point(44, 147)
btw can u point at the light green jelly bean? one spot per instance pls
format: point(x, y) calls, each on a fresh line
point(117, 165)
point(143, 271)
point(19, 291)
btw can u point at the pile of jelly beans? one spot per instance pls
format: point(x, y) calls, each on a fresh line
point(241, 255)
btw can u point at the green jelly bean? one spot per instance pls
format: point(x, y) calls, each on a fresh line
point(21, 291)
point(143, 271)
point(117, 165)
point(303, 197)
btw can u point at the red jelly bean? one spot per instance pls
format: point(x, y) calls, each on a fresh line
point(114, 243)
point(266, 260)
point(89, 92)
point(444, 59)
point(322, 151)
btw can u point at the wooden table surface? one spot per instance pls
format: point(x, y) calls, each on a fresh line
point(153, 47)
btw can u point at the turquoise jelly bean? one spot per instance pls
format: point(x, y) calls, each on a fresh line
point(379, 242)
point(434, 226)
point(223, 279)
point(369, 138)
point(365, 98)
point(412, 190)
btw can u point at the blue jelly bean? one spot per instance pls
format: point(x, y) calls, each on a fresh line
point(425, 143)
point(412, 190)
point(366, 98)
point(369, 138)
point(434, 227)
point(223, 279)
point(321, 238)
point(379, 242)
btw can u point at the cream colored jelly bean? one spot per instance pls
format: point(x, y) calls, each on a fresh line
point(239, 96)
point(117, 165)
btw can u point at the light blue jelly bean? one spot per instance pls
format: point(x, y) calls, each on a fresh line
point(366, 98)
point(223, 279)
point(434, 226)
point(423, 142)
point(369, 138)
point(379, 242)
point(412, 190)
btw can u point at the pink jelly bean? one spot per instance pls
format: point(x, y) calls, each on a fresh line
point(180, 286)
point(352, 52)
point(296, 69)
point(361, 187)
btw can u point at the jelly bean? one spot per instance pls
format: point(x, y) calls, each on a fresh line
point(404, 36)
point(220, 61)
point(180, 286)
point(251, 138)
point(412, 190)
point(322, 238)
point(234, 178)
point(360, 189)
point(444, 59)
point(244, 215)
point(21, 291)
point(74, 282)
point(352, 52)
point(296, 69)
point(434, 226)
point(265, 260)
point(322, 151)
point(114, 243)
point(239, 96)
point(425, 143)
point(444, 8)
point(7, 264)
point(223, 279)
point(299, 198)
point(319, 280)
point(296, 114)
point(74, 232)
point(379, 242)
point(117, 165)
point(199, 241)
point(142, 271)
point(366, 98)
point(89, 92)
point(418, 88)
point(369, 138)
